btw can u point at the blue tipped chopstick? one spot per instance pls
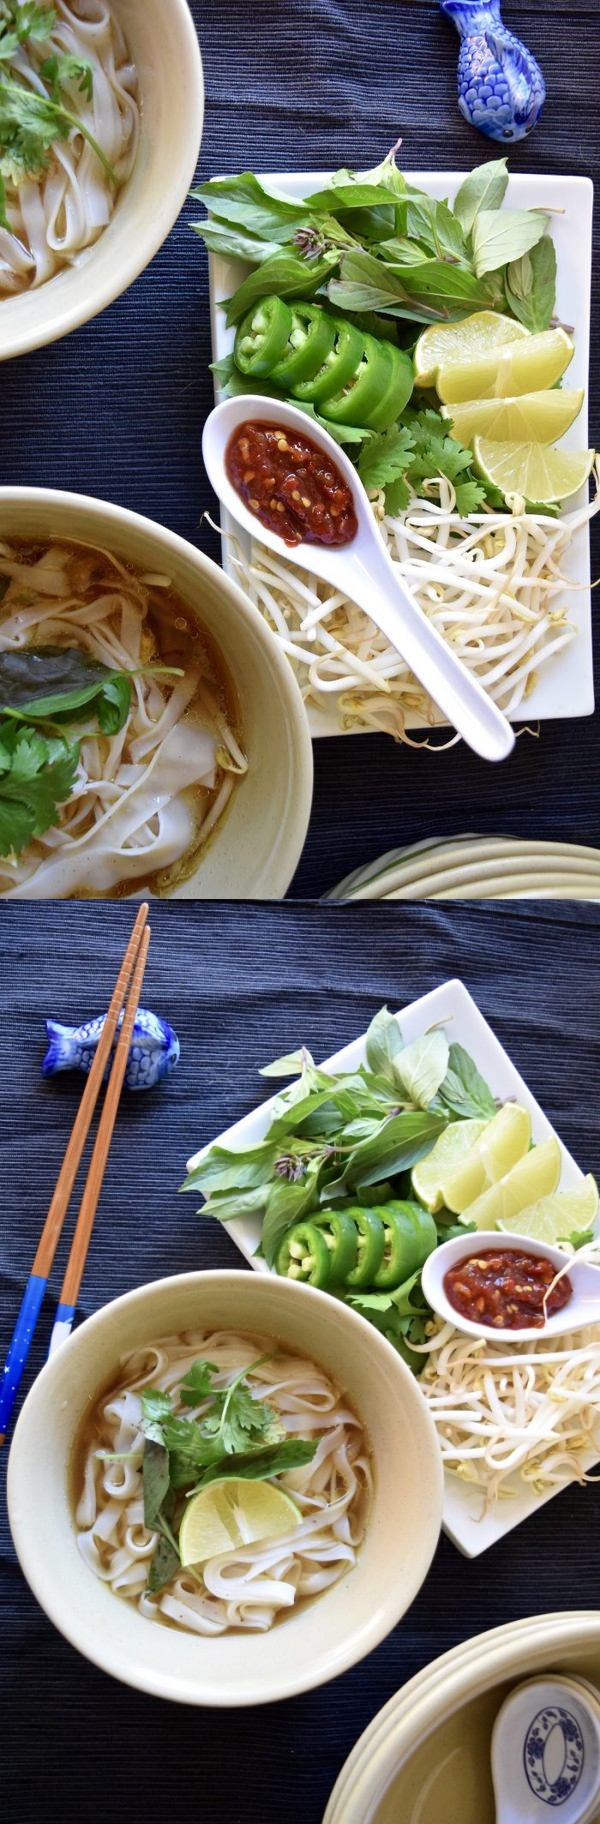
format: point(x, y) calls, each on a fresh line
point(51, 1232)
point(93, 1184)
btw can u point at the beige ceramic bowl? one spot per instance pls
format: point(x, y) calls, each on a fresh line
point(426, 1757)
point(256, 847)
point(162, 40)
point(328, 1634)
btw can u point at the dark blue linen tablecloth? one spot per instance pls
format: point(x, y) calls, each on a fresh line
point(243, 985)
point(117, 409)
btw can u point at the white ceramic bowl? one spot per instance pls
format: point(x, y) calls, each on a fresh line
point(256, 847)
point(426, 1756)
point(326, 1635)
point(162, 39)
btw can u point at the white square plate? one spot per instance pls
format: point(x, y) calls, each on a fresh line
point(566, 685)
point(465, 1024)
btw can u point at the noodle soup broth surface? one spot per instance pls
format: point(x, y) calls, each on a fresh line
point(252, 1587)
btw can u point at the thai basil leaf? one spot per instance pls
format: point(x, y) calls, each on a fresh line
point(222, 1170)
point(288, 1203)
point(503, 235)
point(292, 1065)
point(464, 1091)
point(164, 1564)
point(531, 285)
point(256, 1465)
point(285, 275)
point(436, 226)
point(45, 682)
point(484, 188)
point(422, 1066)
point(402, 1140)
point(259, 211)
point(155, 1479)
point(234, 1204)
point(384, 1041)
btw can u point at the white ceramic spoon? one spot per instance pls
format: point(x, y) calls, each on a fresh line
point(546, 1753)
point(583, 1307)
point(365, 573)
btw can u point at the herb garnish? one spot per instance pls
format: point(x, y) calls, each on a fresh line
point(37, 774)
point(236, 1435)
point(374, 242)
point(31, 122)
point(41, 689)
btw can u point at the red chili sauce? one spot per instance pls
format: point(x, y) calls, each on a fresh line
point(291, 485)
point(506, 1289)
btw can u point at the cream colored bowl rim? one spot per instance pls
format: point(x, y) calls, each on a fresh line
point(94, 297)
point(451, 1681)
point(107, 1655)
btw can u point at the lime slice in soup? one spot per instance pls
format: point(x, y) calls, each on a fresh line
point(554, 1219)
point(232, 1513)
point(535, 1176)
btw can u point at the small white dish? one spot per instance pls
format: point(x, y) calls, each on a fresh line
point(546, 1752)
point(163, 44)
point(362, 570)
point(564, 688)
point(582, 1308)
point(451, 1004)
point(325, 1636)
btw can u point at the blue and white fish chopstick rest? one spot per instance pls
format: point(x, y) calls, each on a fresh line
point(501, 90)
point(153, 1054)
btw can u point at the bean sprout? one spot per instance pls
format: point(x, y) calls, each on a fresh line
point(493, 584)
point(528, 1416)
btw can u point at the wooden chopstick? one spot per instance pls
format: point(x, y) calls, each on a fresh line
point(93, 1184)
point(50, 1236)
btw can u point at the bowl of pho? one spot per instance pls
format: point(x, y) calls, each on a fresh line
point(152, 738)
point(225, 1489)
point(101, 111)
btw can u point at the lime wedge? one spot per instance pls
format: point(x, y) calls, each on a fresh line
point(429, 1176)
point(518, 367)
point(504, 1140)
point(442, 343)
point(554, 1218)
point(531, 417)
point(535, 470)
point(535, 1176)
point(234, 1512)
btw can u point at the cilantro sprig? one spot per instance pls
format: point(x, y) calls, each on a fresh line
point(37, 774)
point(31, 122)
point(413, 453)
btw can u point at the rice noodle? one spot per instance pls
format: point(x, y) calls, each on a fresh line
point(143, 798)
point(54, 217)
point(493, 584)
point(249, 1586)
